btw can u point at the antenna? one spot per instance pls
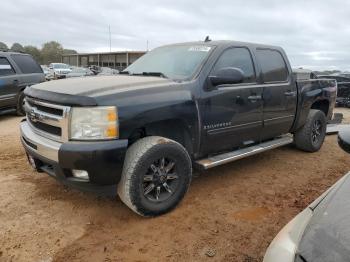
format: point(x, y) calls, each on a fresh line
point(207, 39)
point(110, 40)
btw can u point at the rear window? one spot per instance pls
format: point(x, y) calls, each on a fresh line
point(27, 64)
point(273, 66)
point(5, 67)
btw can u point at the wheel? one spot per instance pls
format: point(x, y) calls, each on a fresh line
point(311, 136)
point(20, 105)
point(156, 175)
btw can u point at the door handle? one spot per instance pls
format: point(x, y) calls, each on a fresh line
point(289, 93)
point(15, 82)
point(254, 98)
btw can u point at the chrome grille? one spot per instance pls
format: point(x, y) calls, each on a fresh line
point(48, 120)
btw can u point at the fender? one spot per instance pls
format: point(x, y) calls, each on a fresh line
point(311, 92)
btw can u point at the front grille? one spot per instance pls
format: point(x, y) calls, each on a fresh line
point(49, 110)
point(48, 120)
point(57, 131)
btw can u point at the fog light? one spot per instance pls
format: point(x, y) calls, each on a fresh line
point(82, 174)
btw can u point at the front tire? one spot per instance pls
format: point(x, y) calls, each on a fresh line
point(310, 137)
point(156, 175)
point(20, 104)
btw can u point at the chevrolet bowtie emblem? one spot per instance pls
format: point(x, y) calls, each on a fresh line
point(34, 115)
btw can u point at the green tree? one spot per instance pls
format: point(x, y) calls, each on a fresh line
point(34, 52)
point(51, 52)
point(16, 47)
point(3, 46)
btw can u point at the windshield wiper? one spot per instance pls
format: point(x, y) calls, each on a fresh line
point(160, 74)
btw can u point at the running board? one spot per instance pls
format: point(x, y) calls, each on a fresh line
point(244, 152)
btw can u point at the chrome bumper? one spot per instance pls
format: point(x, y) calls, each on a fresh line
point(38, 144)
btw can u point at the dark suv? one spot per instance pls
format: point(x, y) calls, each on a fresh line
point(17, 71)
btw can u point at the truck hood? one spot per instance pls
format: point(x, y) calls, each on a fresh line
point(100, 85)
point(87, 91)
point(327, 236)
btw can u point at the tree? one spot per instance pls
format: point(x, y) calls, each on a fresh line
point(51, 52)
point(34, 52)
point(16, 47)
point(3, 46)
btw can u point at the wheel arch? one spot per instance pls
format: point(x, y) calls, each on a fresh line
point(174, 129)
point(322, 105)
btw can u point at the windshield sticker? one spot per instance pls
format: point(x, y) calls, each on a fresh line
point(199, 48)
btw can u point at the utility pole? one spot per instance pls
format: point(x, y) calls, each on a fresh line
point(147, 46)
point(110, 40)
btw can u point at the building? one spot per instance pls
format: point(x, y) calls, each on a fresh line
point(116, 60)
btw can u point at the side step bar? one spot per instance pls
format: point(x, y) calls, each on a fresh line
point(244, 152)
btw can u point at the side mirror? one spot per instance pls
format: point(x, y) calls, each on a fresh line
point(344, 140)
point(227, 75)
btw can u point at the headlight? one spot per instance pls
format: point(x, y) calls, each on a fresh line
point(94, 123)
point(285, 244)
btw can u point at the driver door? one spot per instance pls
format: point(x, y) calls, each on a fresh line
point(231, 113)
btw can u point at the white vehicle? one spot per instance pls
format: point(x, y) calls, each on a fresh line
point(80, 72)
point(60, 70)
point(49, 75)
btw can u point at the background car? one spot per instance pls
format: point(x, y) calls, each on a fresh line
point(321, 232)
point(60, 70)
point(49, 75)
point(108, 71)
point(79, 72)
point(343, 93)
point(17, 71)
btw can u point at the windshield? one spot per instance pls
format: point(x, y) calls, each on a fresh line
point(61, 66)
point(178, 62)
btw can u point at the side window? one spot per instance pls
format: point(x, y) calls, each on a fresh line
point(5, 67)
point(273, 66)
point(238, 57)
point(27, 64)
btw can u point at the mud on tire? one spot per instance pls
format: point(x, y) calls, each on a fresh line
point(157, 173)
point(310, 137)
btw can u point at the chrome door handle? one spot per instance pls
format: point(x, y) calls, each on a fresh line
point(254, 98)
point(289, 93)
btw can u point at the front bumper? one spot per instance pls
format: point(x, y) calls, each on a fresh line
point(102, 160)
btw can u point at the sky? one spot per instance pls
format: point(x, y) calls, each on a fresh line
point(315, 34)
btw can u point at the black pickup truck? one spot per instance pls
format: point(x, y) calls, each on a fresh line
point(179, 107)
point(17, 71)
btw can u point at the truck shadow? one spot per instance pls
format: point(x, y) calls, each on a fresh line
point(203, 184)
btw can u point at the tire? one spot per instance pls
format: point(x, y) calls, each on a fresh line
point(20, 103)
point(310, 137)
point(144, 166)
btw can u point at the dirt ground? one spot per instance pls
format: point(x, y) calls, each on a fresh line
point(231, 213)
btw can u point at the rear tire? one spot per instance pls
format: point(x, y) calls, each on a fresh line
point(310, 137)
point(156, 175)
point(20, 104)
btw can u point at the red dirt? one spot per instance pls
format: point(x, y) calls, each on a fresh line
point(230, 213)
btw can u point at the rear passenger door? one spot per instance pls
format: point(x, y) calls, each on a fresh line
point(279, 93)
point(8, 83)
